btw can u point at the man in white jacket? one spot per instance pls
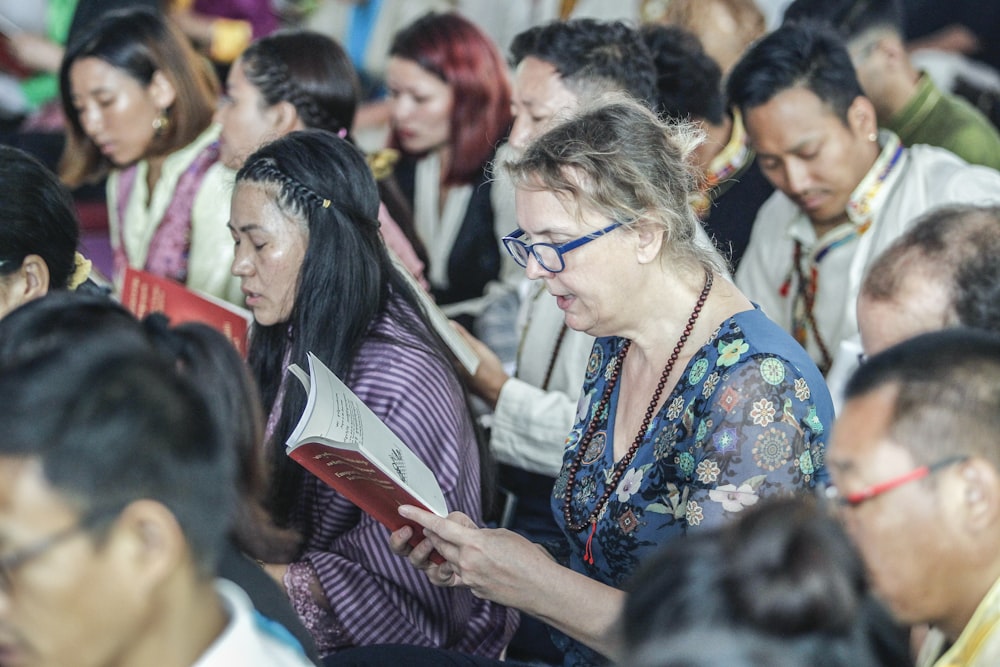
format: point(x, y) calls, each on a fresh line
point(845, 189)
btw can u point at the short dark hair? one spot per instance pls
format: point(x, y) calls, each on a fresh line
point(113, 425)
point(37, 217)
point(957, 246)
point(140, 43)
point(807, 55)
point(850, 18)
point(585, 51)
point(785, 570)
point(310, 71)
point(688, 81)
point(60, 320)
point(947, 393)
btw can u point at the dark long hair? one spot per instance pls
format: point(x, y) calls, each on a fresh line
point(315, 75)
point(346, 281)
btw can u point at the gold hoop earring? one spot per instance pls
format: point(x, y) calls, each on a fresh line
point(161, 123)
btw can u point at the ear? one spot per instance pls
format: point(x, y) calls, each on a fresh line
point(161, 90)
point(285, 118)
point(649, 240)
point(891, 48)
point(36, 277)
point(980, 496)
point(861, 117)
point(148, 544)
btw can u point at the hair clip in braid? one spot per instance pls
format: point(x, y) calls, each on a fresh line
point(326, 203)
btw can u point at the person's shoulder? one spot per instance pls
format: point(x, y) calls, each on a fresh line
point(394, 352)
point(766, 340)
point(939, 167)
point(251, 639)
point(935, 176)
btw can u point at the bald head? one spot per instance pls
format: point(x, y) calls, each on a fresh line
point(944, 272)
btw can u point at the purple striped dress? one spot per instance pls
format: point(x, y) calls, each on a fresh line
point(375, 596)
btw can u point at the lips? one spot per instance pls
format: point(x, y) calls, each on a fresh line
point(405, 135)
point(811, 201)
point(251, 298)
point(564, 301)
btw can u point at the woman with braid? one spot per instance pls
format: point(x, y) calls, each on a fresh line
point(318, 279)
point(300, 80)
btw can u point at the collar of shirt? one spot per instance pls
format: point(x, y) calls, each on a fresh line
point(863, 204)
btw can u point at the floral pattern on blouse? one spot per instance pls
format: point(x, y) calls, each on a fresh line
point(748, 418)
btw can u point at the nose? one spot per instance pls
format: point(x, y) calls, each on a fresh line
point(241, 266)
point(797, 178)
point(90, 120)
point(534, 270)
point(220, 112)
point(399, 108)
point(520, 133)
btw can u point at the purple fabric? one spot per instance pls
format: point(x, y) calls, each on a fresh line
point(376, 597)
point(171, 243)
point(258, 13)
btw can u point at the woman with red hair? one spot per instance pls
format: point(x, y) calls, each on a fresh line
point(450, 109)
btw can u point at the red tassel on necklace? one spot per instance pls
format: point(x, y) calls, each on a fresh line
point(588, 551)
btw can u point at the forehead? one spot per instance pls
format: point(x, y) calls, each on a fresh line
point(255, 204)
point(237, 75)
point(921, 304)
point(537, 82)
point(401, 72)
point(861, 436)
point(789, 118)
point(92, 73)
point(542, 212)
point(28, 503)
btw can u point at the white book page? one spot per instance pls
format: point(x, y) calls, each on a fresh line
point(334, 413)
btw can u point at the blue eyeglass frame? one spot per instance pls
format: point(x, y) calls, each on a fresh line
point(513, 240)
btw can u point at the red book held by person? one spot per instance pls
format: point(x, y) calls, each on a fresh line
point(341, 441)
point(144, 293)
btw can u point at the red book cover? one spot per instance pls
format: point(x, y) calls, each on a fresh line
point(344, 443)
point(143, 293)
point(358, 480)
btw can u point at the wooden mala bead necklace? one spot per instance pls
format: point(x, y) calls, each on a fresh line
point(626, 460)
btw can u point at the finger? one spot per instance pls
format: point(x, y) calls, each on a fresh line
point(457, 528)
point(399, 541)
point(420, 555)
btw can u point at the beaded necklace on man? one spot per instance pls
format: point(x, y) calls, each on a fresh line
point(626, 460)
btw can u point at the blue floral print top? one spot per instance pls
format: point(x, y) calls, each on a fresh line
point(748, 418)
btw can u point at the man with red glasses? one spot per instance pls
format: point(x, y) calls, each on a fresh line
point(915, 458)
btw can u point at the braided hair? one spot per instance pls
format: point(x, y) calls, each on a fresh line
point(312, 72)
point(347, 280)
point(308, 70)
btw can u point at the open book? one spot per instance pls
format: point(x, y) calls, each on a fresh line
point(342, 442)
point(144, 293)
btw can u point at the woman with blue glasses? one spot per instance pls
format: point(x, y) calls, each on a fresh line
point(694, 404)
